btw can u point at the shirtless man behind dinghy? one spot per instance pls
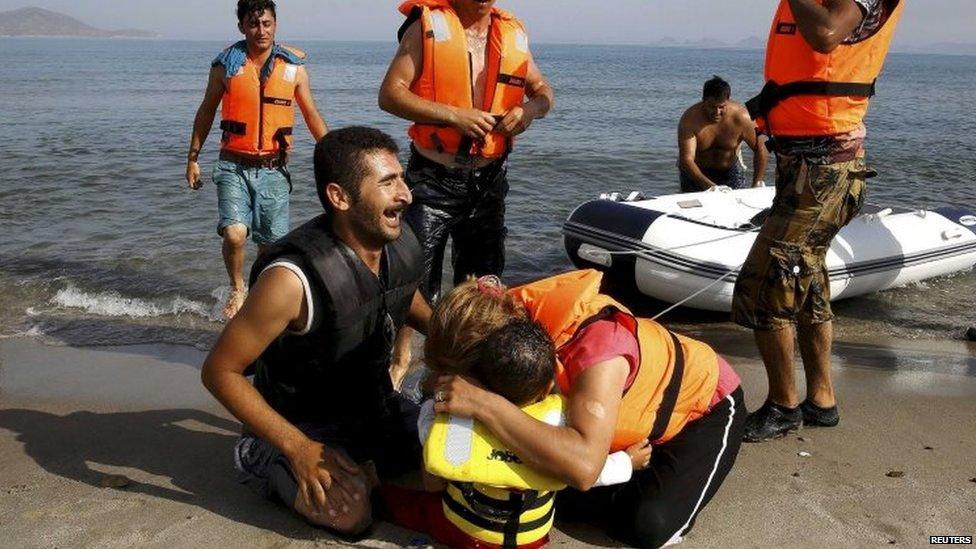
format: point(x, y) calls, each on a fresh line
point(709, 135)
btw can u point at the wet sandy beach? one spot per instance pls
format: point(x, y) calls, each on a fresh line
point(122, 446)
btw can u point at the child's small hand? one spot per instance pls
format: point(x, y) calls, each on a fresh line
point(640, 454)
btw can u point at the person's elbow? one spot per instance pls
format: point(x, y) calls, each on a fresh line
point(210, 376)
point(207, 376)
point(824, 38)
point(584, 474)
point(386, 100)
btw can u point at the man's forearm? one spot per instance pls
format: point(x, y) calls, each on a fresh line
point(541, 102)
point(809, 13)
point(316, 125)
point(418, 316)
point(407, 105)
point(201, 128)
point(242, 400)
point(825, 25)
point(692, 170)
point(759, 159)
point(560, 452)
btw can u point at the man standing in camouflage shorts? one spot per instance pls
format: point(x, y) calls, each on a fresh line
point(822, 59)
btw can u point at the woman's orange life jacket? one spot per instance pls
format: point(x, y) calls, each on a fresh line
point(676, 377)
point(831, 89)
point(256, 118)
point(446, 74)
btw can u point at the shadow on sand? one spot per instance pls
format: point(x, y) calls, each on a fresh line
point(189, 447)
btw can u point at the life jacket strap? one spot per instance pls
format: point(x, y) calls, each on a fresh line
point(463, 156)
point(502, 509)
point(772, 93)
point(414, 14)
point(233, 126)
point(280, 137)
point(511, 80)
point(505, 518)
point(670, 398)
point(438, 144)
point(281, 102)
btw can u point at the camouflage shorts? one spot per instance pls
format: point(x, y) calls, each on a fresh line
point(784, 279)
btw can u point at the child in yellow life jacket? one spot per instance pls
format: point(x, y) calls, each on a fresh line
point(485, 496)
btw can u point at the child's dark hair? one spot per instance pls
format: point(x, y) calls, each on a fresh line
point(517, 361)
point(256, 7)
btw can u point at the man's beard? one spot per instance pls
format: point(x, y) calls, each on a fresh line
point(370, 230)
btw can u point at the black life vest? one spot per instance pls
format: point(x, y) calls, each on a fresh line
point(338, 373)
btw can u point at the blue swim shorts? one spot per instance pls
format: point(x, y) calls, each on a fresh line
point(254, 197)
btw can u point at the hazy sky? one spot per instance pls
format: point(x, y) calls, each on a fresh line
point(565, 21)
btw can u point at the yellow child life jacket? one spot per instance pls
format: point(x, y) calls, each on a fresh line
point(492, 496)
point(446, 74)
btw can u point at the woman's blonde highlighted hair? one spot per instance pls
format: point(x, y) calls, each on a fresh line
point(463, 319)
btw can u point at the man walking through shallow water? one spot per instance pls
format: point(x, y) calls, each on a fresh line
point(822, 60)
point(257, 81)
point(709, 135)
point(465, 77)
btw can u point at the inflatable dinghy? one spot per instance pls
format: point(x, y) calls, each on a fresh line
point(691, 246)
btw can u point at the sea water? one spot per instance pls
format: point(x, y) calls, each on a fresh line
point(102, 242)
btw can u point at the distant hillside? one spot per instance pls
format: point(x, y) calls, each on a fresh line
point(944, 48)
point(41, 22)
point(751, 43)
point(755, 43)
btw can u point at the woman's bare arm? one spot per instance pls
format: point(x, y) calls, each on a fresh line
point(575, 453)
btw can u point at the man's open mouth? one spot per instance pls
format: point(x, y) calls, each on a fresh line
point(393, 215)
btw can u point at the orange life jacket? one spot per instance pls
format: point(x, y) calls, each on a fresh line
point(257, 119)
point(810, 93)
point(446, 74)
point(676, 378)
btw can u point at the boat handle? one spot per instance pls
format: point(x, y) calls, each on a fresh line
point(951, 233)
point(594, 254)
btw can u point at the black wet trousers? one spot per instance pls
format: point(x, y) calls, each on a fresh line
point(660, 503)
point(467, 205)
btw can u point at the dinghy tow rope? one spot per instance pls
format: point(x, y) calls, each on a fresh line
point(660, 250)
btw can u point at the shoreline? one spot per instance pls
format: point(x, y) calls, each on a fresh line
point(122, 445)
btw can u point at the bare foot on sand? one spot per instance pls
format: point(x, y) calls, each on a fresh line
point(234, 302)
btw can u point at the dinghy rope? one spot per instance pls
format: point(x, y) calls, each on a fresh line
point(659, 250)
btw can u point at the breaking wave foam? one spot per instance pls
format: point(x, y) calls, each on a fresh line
point(115, 304)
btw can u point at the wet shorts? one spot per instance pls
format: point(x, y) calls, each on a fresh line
point(254, 197)
point(784, 279)
point(732, 178)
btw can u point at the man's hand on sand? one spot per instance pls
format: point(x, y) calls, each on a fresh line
point(193, 174)
point(474, 123)
point(515, 121)
point(328, 482)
